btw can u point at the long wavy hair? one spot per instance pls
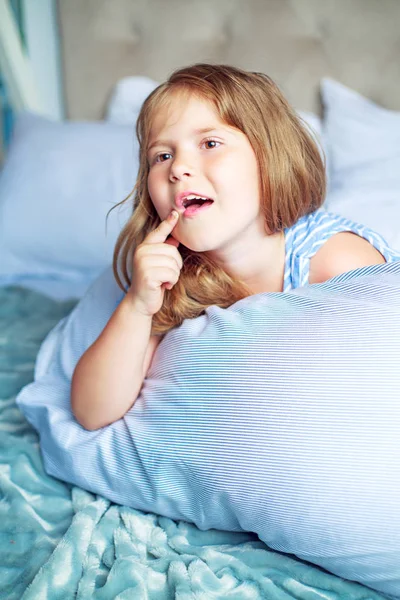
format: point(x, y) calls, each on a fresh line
point(291, 174)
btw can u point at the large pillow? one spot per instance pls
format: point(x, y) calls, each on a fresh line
point(58, 183)
point(363, 144)
point(279, 415)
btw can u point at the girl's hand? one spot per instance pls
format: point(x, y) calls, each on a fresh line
point(156, 267)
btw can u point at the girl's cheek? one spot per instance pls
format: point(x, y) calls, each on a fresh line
point(154, 176)
point(151, 179)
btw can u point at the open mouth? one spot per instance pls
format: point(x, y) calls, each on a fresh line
point(194, 207)
point(193, 204)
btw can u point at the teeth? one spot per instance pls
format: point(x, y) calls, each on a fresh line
point(193, 197)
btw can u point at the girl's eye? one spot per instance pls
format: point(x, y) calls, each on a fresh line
point(159, 157)
point(211, 142)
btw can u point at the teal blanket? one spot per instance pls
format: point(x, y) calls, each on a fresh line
point(61, 542)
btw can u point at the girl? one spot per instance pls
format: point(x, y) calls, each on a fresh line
point(226, 204)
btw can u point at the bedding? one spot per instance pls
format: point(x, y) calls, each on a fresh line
point(127, 98)
point(362, 141)
point(60, 541)
point(291, 434)
point(56, 288)
point(56, 187)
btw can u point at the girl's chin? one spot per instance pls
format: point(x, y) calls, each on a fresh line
point(192, 246)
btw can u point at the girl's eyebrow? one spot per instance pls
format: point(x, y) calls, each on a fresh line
point(195, 132)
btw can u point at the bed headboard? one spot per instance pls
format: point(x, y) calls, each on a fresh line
point(296, 42)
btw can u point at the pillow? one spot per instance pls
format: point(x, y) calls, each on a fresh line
point(363, 144)
point(58, 182)
point(279, 415)
point(313, 121)
point(127, 98)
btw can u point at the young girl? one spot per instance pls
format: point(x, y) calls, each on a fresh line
point(226, 204)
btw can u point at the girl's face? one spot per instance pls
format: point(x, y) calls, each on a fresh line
point(218, 164)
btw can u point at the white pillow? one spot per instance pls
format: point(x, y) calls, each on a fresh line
point(313, 121)
point(363, 143)
point(57, 185)
point(127, 99)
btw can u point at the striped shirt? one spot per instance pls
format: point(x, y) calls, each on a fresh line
point(309, 233)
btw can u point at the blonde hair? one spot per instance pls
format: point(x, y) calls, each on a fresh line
point(284, 149)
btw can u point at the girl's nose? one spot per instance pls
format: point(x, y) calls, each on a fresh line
point(181, 167)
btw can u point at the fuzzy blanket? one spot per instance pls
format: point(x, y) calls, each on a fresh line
point(61, 542)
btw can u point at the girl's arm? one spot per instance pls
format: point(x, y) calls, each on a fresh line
point(109, 375)
point(341, 253)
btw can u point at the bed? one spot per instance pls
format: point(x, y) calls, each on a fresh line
point(58, 182)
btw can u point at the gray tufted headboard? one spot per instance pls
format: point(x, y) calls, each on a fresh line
point(296, 42)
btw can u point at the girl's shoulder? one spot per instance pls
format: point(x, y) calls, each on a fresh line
point(309, 234)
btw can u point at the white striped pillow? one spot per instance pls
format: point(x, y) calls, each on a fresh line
point(279, 415)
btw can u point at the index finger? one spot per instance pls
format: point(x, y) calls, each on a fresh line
point(160, 233)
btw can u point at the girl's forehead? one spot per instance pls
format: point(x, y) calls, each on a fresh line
point(179, 105)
